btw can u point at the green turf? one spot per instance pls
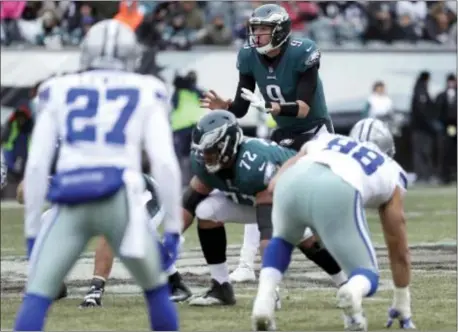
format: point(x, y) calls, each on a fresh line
point(431, 218)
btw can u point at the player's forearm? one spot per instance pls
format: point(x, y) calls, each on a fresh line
point(304, 96)
point(239, 106)
point(400, 263)
point(296, 109)
point(395, 233)
point(165, 169)
point(36, 175)
point(168, 178)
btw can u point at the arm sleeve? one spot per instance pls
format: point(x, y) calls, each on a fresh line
point(240, 106)
point(164, 165)
point(307, 85)
point(40, 157)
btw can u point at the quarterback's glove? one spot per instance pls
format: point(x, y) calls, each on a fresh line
point(404, 322)
point(255, 101)
point(171, 245)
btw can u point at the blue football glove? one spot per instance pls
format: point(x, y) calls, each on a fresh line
point(404, 323)
point(171, 245)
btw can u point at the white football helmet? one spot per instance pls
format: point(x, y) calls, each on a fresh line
point(110, 44)
point(376, 132)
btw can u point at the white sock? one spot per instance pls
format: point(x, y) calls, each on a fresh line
point(339, 278)
point(219, 272)
point(171, 270)
point(99, 277)
point(359, 284)
point(269, 279)
point(401, 300)
point(250, 245)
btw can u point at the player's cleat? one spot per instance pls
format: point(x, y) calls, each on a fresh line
point(404, 323)
point(179, 292)
point(351, 304)
point(243, 273)
point(63, 292)
point(93, 298)
point(218, 294)
point(264, 308)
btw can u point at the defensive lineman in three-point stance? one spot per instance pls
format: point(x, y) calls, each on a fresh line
point(358, 174)
point(104, 115)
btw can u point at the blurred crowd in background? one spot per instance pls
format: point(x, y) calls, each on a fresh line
point(183, 24)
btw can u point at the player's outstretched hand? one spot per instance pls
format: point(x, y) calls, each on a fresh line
point(213, 101)
point(404, 322)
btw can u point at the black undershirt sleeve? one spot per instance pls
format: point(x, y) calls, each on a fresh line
point(239, 107)
point(307, 84)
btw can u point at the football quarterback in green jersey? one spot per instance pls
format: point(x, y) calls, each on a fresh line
point(286, 70)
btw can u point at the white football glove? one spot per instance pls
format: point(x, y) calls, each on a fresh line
point(255, 101)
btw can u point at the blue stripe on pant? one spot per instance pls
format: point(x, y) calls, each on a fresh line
point(363, 230)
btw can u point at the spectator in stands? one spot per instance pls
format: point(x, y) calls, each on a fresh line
point(78, 18)
point(15, 139)
point(438, 24)
point(240, 33)
point(446, 103)
point(177, 35)
point(300, 12)
point(193, 16)
point(129, 13)
point(105, 9)
point(51, 34)
point(379, 105)
point(381, 25)
point(416, 12)
point(10, 12)
point(216, 33)
point(332, 27)
point(186, 113)
point(424, 127)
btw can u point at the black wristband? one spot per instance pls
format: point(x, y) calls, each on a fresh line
point(289, 109)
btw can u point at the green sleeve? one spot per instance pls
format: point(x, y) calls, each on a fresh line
point(309, 57)
point(243, 60)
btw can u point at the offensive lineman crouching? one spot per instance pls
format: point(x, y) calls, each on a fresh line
point(230, 185)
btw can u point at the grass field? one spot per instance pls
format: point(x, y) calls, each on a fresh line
point(307, 295)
